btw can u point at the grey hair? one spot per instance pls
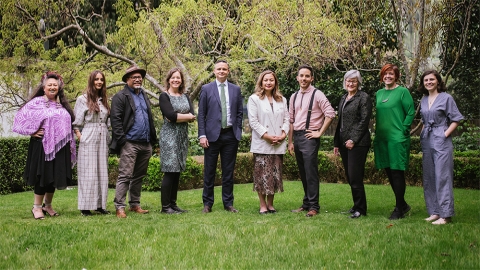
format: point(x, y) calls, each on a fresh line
point(352, 74)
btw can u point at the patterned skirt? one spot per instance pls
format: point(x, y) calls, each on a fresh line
point(267, 173)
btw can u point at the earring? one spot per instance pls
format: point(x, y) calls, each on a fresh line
point(59, 105)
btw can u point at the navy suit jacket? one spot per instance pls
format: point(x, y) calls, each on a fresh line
point(210, 111)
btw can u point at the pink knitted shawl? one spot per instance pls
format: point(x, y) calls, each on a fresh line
point(56, 122)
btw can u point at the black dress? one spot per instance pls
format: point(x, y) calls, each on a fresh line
point(57, 171)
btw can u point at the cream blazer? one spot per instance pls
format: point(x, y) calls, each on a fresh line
point(262, 119)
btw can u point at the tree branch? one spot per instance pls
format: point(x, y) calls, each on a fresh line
point(462, 41)
point(401, 49)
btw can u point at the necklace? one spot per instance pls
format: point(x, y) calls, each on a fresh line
point(383, 95)
point(431, 99)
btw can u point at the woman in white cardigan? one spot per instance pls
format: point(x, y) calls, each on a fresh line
point(269, 120)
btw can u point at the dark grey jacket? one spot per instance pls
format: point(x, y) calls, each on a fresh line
point(353, 120)
point(122, 116)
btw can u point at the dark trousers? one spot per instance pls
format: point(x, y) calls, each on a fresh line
point(354, 164)
point(397, 181)
point(306, 154)
point(169, 188)
point(226, 146)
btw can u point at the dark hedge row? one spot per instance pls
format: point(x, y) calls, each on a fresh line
point(467, 168)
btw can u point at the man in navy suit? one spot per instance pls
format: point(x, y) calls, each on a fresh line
point(220, 112)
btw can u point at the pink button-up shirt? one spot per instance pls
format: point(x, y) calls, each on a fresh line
point(321, 108)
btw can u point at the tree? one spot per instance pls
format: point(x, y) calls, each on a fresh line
point(188, 34)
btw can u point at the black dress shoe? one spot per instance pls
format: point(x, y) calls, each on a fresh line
point(231, 209)
point(207, 209)
point(102, 211)
point(169, 210)
point(356, 214)
point(86, 213)
point(272, 211)
point(396, 214)
point(263, 212)
point(178, 209)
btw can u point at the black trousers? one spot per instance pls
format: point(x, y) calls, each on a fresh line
point(397, 181)
point(306, 154)
point(169, 189)
point(226, 146)
point(354, 164)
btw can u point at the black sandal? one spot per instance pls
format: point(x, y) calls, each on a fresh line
point(51, 213)
point(35, 216)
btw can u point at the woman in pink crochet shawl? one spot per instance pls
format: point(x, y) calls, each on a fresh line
point(47, 118)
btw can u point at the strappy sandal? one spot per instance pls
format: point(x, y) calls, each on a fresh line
point(37, 213)
point(49, 211)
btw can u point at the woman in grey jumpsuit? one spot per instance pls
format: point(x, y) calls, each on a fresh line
point(440, 117)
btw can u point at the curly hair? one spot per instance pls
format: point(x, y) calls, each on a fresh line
point(39, 91)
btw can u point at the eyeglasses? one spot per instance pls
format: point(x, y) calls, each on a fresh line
point(136, 78)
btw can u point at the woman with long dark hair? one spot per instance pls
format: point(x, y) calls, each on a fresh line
point(91, 128)
point(269, 119)
point(47, 118)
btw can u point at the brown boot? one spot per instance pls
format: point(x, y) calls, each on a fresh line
point(121, 213)
point(138, 209)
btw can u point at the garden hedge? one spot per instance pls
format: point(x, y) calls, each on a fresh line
point(466, 171)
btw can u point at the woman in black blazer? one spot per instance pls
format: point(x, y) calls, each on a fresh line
point(352, 138)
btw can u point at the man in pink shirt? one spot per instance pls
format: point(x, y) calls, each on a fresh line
point(310, 116)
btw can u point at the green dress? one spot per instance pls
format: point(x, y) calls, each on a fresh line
point(394, 116)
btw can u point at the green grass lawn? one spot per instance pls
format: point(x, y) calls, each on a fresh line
point(246, 240)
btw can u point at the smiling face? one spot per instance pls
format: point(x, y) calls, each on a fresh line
point(304, 78)
point(431, 83)
point(175, 80)
point(351, 85)
point(51, 88)
point(221, 71)
point(268, 83)
point(389, 78)
point(135, 81)
point(98, 82)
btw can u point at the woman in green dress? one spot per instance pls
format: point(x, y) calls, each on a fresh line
point(394, 115)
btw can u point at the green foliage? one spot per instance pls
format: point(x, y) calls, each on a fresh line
point(469, 139)
point(13, 155)
point(465, 66)
point(153, 179)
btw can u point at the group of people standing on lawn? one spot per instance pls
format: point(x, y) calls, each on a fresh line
point(48, 118)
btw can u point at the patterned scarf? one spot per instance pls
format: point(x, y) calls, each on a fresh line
point(56, 122)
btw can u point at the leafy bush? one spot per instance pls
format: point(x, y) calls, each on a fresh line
point(469, 139)
point(13, 153)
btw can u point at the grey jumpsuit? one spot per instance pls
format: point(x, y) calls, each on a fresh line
point(438, 154)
